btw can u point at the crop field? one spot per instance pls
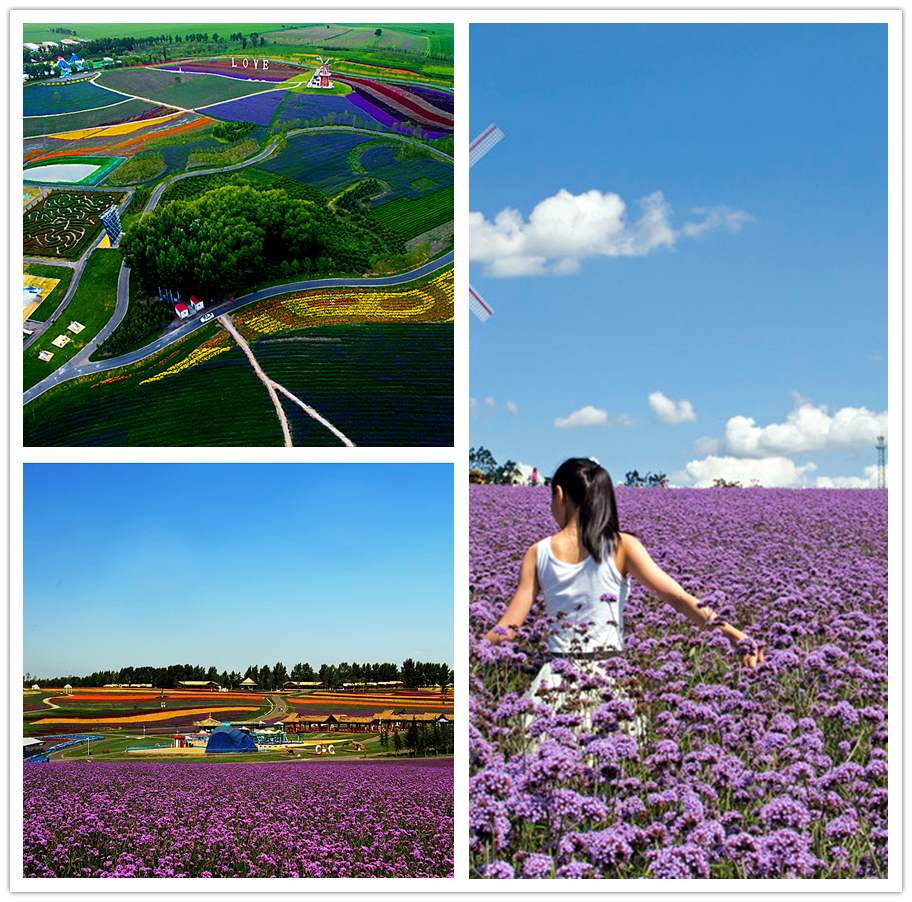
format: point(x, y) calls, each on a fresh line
point(778, 772)
point(257, 108)
point(319, 159)
point(381, 384)
point(284, 819)
point(187, 90)
point(412, 179)
point(184, 717)
point(415, 217)
point(63, 223)
point(53, 99)
point(218, 402)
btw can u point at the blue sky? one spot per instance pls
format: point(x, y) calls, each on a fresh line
point(684, 239)
point(234, 565)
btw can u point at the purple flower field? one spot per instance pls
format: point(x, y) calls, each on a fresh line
point(690, 766)
point(313, 819)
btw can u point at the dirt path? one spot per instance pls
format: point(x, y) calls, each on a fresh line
point(273, 387)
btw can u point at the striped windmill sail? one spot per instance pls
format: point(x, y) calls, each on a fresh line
point(483, 143)
point(477, 149)
point(478, 305)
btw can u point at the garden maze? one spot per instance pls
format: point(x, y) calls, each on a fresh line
point(63, 224)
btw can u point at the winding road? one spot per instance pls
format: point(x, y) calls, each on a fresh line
point(81, 365)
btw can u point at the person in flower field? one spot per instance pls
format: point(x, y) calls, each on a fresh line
point(583, 572)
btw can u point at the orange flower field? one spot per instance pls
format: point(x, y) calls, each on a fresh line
point(155, 716)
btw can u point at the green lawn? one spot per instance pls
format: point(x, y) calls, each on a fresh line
point(92, 305)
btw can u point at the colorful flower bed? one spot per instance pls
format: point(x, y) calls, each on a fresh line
point(430, 300)
point(132, 717)
point(257, 108)
point(339, 700)
point(776, 772)
point(319, 819)
point(393, 105)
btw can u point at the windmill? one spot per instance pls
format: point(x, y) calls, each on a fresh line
point(321, 76)
point(477, 149)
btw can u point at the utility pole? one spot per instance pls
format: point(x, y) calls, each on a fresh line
point(881, 462)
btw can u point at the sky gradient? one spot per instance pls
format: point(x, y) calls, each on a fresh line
point(234, 565)
point(684, 238)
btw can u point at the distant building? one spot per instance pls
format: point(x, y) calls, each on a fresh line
point(248, 684)
point(198, 685)
point(196, 304)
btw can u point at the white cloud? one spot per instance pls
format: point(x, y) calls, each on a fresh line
point(582, 419)
point(566, 229)
point(511, 406)
point(868, 481)
point(669, 411)
point(771, 472)
point(808, 429)
point(589, 416)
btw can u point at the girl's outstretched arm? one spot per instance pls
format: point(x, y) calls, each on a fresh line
point(635, 560)
point(521, 604)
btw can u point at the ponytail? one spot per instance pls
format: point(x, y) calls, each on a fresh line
point(590, 488)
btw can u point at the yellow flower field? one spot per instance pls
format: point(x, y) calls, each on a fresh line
point(105, 131)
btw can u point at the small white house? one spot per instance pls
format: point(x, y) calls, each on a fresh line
point(196, 304)
point(182, 311)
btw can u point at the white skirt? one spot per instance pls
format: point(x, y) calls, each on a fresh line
point(584, 701)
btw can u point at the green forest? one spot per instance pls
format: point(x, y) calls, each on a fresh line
point(414, 675)
point(236, 237)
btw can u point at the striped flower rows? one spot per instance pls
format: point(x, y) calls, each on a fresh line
point(140, 718)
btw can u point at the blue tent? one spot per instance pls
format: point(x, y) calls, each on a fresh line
point(229, 739)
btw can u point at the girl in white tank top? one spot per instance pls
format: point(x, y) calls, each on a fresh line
point(589, 560)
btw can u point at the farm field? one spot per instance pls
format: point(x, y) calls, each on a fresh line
point(390, 383)
point(780, 772)
point(74, 97)
point(414, 217)
point(363, 819)
point(186, 90)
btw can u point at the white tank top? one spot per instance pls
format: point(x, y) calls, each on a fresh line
point(575, 591)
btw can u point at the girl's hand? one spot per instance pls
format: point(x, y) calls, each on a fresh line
point(752, 653)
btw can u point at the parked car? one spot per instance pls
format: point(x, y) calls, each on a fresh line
point(206, 317)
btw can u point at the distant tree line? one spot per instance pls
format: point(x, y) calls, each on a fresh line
point(414, 675)
point(484, 468)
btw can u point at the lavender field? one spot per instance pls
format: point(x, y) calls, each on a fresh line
point(307, 819)
point(691, 766)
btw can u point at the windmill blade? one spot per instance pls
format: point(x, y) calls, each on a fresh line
point(478, 305)
point(483, 143)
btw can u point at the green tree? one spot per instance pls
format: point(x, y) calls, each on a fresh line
point(397, 741)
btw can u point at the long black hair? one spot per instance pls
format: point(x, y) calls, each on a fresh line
point(589, 487)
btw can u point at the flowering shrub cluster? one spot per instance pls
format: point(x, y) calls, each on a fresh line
point(319, 819)
point(690, 766)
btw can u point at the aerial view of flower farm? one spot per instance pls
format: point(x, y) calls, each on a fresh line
point(200, 774)
point(237, 235)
